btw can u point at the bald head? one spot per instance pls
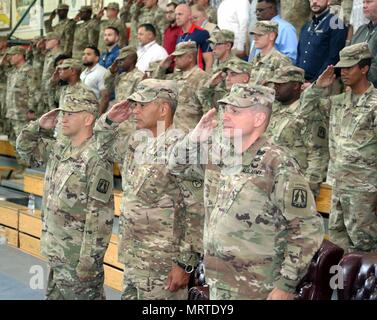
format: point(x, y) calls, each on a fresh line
point(183, 16)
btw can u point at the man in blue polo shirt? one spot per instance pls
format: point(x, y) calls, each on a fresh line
point(192, 32)
point(111, 39)
point(321, 40)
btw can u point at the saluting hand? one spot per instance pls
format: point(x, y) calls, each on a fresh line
point(120, 112)
point(327, 78)
point(217, 78)
point(167, 62)
point(49, 120)
point(204, 128)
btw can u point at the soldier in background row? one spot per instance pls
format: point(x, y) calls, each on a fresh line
point(86, 32)
point(268, 60)
point(353, 149)
point(303, 130)
point(65, 27)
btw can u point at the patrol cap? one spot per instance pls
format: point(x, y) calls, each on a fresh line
point(175, 2)
point(16, 50)
point(352, 55)
point(63, 6)
point(184, 47)
point(238, 65)
point(249, 95)
point(265, 26)
point(125, 52)
point(149, 90)
point(112, 5)
point(287, 74)
point(70, 63)
point(222, 36)
point(85, 8)
point(52, 35)
point(81, 99)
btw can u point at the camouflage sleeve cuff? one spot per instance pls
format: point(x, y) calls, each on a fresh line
point(189, 258)
point(287, 285)
point(106, 123)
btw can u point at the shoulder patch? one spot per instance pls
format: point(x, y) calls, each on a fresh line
point(103, 186)
point(322, 132)
point(299, 198)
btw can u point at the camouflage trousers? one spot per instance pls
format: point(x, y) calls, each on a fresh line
point(148, 285)
point(4, 123)
point(71, 288)
point(353, 220)
point(15, 127)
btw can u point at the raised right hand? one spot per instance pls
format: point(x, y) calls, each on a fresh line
point(49, 120)
point(167, 62)
point(52, 15)
point(217, 78)
point(204, 128)
point(120, 112)
point(100, 13)
point(327, 78)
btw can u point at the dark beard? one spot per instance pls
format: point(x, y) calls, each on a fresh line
point(88, 64)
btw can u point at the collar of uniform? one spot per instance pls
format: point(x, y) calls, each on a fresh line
point(75, 152)
point(249, 154)
point(365, 95)
point(187, 74)
point(265, 58)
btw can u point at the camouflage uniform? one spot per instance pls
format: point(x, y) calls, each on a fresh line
point(262, 228)
point(302, 130)
point(47, 92)
point(219, 37)
point(38, 63)
point(78, 207)
point(353, 159)
point(124, 83)
point(116, 23)
point(20, 96)
point(297, 12)
point(65, 29)
point(209, 95)
point(86, 34)
point(264, 67)
point(189, 110)
point(211, 14)
point(141, 15)
point(4, 70)
point(154, 226)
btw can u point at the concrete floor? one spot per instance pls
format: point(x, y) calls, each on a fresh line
point(18, 276)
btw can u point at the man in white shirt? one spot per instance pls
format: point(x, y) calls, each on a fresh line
point(234, 15)
point(149, 51)
point(94, 74)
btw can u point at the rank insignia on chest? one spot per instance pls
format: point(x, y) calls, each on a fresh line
point(299, 198)
point(197, 184)
point(103, 186)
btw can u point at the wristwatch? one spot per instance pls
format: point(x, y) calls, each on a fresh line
point(188, 268)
